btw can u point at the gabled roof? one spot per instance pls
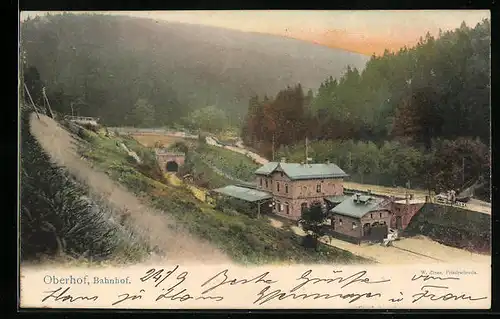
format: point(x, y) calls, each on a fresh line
point(351, 208)
point(243, 193)
point(337, 199)
point(296, 171)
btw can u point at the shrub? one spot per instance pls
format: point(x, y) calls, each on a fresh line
point(180, 146)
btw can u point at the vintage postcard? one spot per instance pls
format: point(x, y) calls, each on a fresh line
point(255, 160)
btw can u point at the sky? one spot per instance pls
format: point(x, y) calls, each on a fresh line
point(366, 32)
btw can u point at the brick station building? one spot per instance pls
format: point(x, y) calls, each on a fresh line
point(287, 189)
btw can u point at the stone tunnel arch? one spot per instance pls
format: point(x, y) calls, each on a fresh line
point(172, 166)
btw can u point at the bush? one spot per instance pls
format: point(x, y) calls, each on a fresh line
point(86, 135)
point(180, 146)
point(230, 204)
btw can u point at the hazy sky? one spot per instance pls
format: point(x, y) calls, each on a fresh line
point(361, 31)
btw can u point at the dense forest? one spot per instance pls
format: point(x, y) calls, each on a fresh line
point(142, 72)
point(420, 116)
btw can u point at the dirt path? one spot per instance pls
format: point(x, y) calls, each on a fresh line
point(407, 250)
point(413, 250)
point(161, 231)
point(275, 223)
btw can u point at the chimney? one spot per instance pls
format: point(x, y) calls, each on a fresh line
point(283, 160)
point(357, 197)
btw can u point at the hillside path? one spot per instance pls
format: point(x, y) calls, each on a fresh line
point(156, 226)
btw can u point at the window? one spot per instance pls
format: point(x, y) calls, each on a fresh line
point(281, 174)
point(354, 226)
point(286, 188)
point(278, 187)
point(281, 207)
point(266, 184)
point(380, 215)
point(287, 207)
point(318, 188)
point(371, 215)
point(261, 181)
point(278, 204)
point(340, 221)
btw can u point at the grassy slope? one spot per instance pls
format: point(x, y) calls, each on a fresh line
point(232, 163)
point(61, 221)
point(247, 240)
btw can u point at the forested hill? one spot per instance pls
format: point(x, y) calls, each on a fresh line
point(421, 114)
point(105, 65)
point(440, 88)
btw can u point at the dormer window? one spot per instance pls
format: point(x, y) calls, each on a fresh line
point(281, 174)
point(261, 181)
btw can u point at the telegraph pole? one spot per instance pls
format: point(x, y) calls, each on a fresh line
point(273, 147)
point(48, 104)
point(31, 99)
point(463, 171)
point(306, 153)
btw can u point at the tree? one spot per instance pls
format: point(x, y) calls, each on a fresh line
point(210, 119)
point(456, 163)
point(420, 117)
point(142, 114)
point(312, 222)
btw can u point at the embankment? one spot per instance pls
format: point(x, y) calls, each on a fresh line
point(60, 220)
point(453, 226)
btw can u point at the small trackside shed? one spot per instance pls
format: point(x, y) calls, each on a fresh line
point(361, 218)
point(259, 200)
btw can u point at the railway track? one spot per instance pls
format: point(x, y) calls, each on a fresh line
point(416, 253)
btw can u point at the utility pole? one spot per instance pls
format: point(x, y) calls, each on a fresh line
point(273, 148)
point(48, 104)
point(29, 95)
point(307, 157)
point(463, 171)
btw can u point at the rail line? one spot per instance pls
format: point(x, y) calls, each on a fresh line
point(415, 253)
